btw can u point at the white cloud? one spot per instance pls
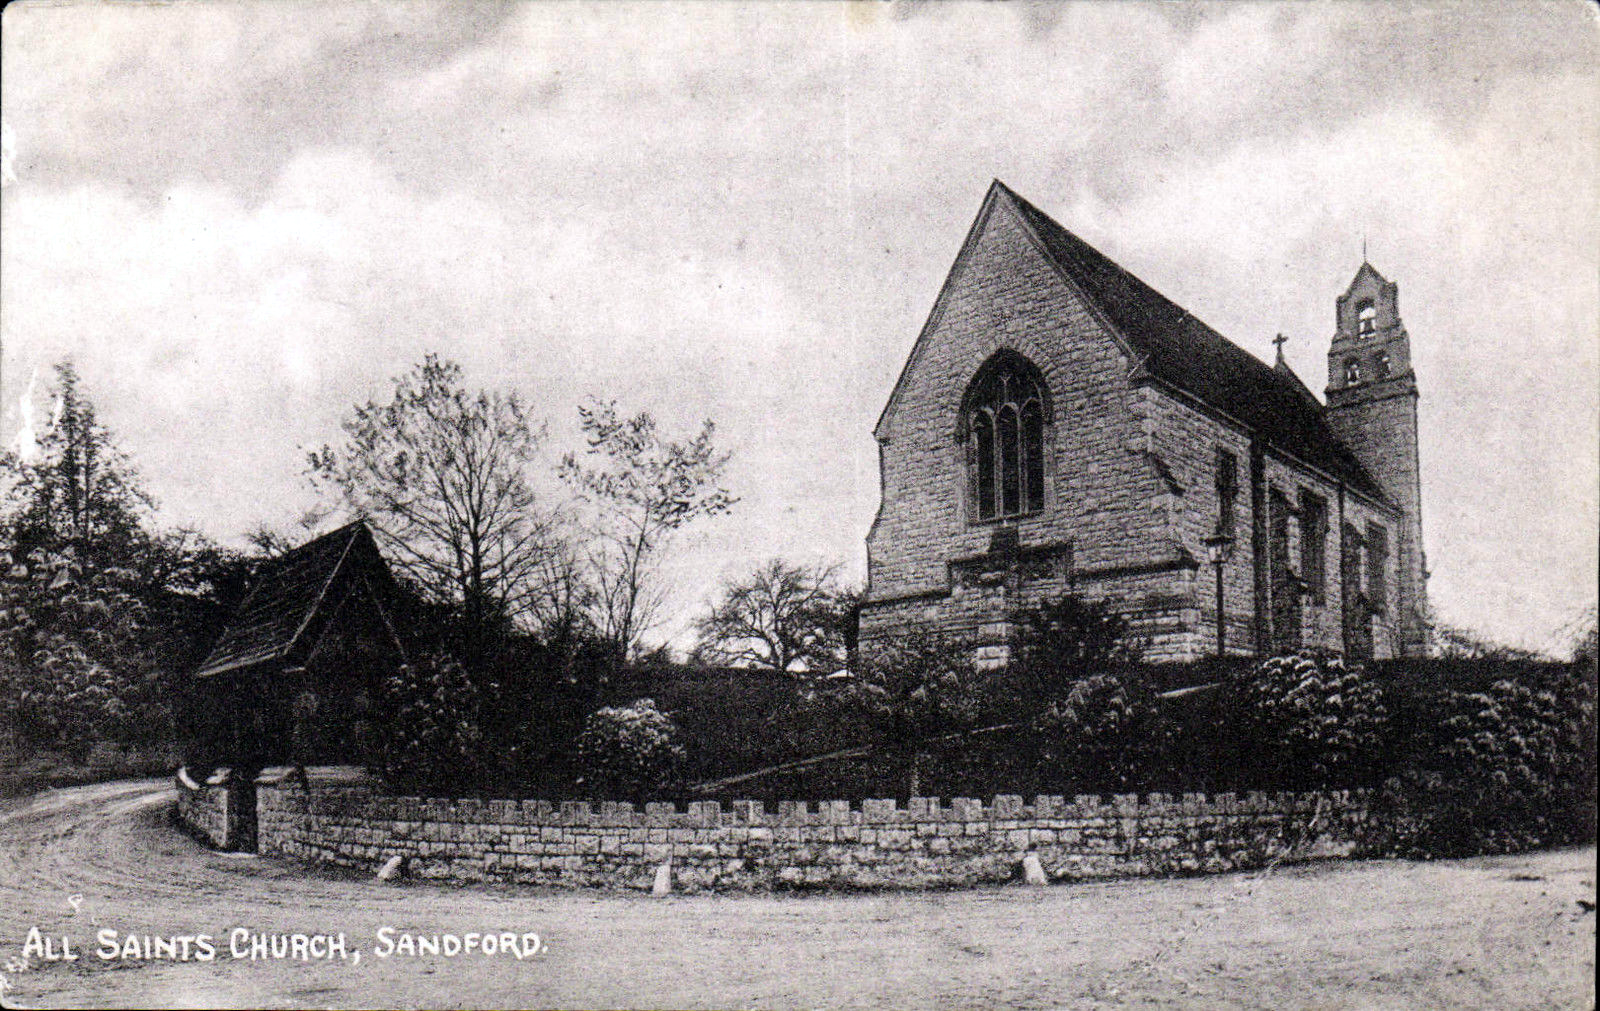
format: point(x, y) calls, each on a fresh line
point(745, 211)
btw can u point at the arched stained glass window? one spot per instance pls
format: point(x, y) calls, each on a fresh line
point(1010, 462)
point(1352, 372)
point(1033, 454)
point(983, 462)
point(1005, 415)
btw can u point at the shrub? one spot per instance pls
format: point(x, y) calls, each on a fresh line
point(916, 688)
point(1094, 738)
point(1059, 643)
point(628, 752)
point(919, 687)
point(429, 731)
point(1312, 722)
point(1494, 784)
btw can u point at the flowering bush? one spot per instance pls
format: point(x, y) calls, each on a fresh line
point(1093, 736)
point(914, 689)
point(430, 734)
point(1059, 643)
point(1493, 782)
point(628, 752)
point(1317, 721)
point(75, 657)
point(919, 687)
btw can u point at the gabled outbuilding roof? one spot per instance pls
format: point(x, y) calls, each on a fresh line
point(293, 598)
point(1182, 353)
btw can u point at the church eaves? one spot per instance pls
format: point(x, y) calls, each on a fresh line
point(1179, 351)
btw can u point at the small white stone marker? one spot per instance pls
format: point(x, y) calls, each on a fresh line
point(663, 883)
point(1033, 871)
point(391, 868)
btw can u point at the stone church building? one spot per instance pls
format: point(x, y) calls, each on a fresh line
point(1061, 427)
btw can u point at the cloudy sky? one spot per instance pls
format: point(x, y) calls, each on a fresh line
point(240, 219)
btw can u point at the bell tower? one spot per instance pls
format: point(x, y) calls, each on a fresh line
point(1372, 408)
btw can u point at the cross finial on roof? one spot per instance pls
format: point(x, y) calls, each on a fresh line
point(1280, 341)
point(1363, 247)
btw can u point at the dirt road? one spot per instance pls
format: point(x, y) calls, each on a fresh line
point(1502, 933)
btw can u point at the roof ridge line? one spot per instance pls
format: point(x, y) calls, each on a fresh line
point(333, 572)
point(1142, 314)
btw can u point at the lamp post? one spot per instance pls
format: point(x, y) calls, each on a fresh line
point(1218, 547)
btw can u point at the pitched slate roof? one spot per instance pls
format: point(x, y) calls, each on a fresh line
point(1182, 352)
point(292, 599)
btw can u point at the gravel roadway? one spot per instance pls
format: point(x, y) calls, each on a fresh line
point(1504, 932)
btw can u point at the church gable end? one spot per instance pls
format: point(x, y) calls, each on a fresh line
point(1061, 427)
point(1013, 427)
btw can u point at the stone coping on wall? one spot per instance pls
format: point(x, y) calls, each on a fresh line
point(344, 796)
point(209, 811)
point(342, 817)
point(274, 775)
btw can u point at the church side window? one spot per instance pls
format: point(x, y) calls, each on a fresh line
point(1313, 543)
point(1357, 627)
point(1380, 365)
point(1005, 418)
point(1377, 567)
point(1366, 318)
point(1350, 563)
point(1227, 490)
point(1352, 371)
point(983, 451)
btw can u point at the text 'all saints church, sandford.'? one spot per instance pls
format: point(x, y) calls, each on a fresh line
point(1061, 427)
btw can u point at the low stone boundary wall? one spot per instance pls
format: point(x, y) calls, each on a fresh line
point(212, 810)
point(341, 817)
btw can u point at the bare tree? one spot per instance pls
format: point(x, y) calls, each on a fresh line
point(270, 541)
point(643, 491)
point(562, 600)
point(783, 617)
point(442, 474)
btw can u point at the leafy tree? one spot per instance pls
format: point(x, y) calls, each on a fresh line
point(79, 648)
point(77, 489)
point(1060, 643)
point(783, 617)
point(443, 475)
point(628, 752)
point(916, 688)
point(644, 489)
point(562, 603)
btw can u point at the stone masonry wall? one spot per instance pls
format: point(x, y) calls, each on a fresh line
point(1005, 294)
point(1101, 490)
point(1186, 442)
point(341, 818)
point(209, 810)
